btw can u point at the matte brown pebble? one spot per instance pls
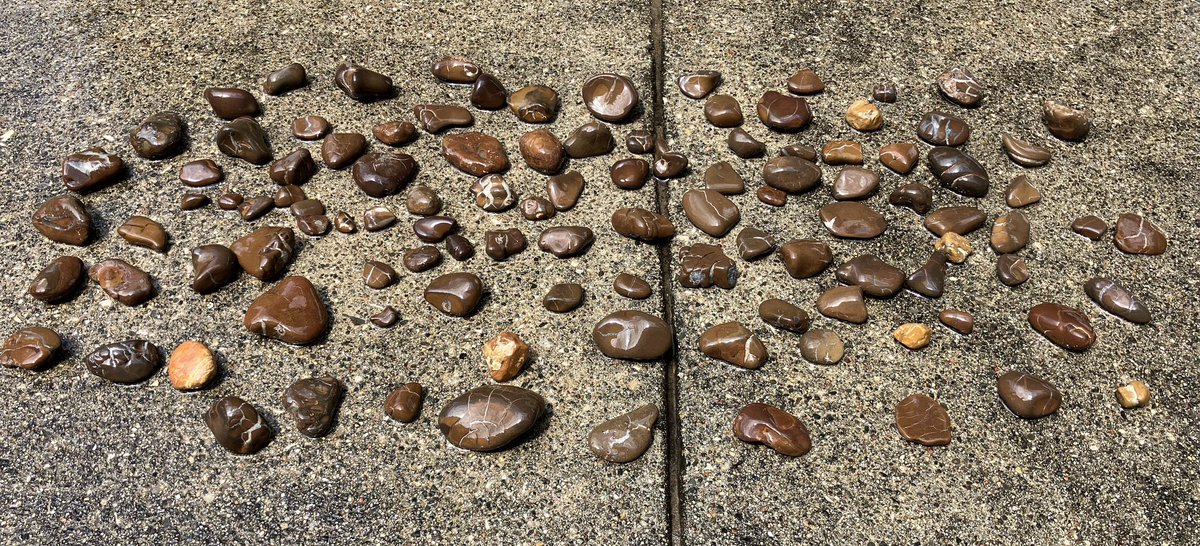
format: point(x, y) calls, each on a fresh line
point(914, 195)
point(885, 93)
point(563, 297)
point(244, 138)
point(345, 223)
point(58, 280)
point(900, 157)
point(961, 87)
point(710, 211)
point(930, 279)
point(266, 251)
point(434, 118)
point(488, 93)
point(784, 315)
point(960, 220)
point(1011, 270)
point(229, 201)
point(697, 85)
point(942, 129)
point(610, 97)
point(191, 366)
point(291, 312)
point(159, 136)
point(340, 150)
point(213, 266)
point(310, 127)
point(288, 78)
point(822, 347)
point(432, 229)
point(1010, 233)
point(844, 303)
point(913, 335)
point(923, 420)
point(589, 140)
point(958, 172)
point(1136, 235)
point(855, 183)
point(455, 294)
point(564, 190)
point(639, 142)
point(534, 104)
point(91, 169)
point(1023, 153)
point(124, 362)
point(722, 177)
point(754, 243)
point(876, 277)
point(632, 335)
point(745, 146)
point(1021, 193)
point(505, 355)
point(805, 82)
point(626, 437)
point(423, 201)
point(362, 84)
point(735, 344)
point(723, 111)
point(1064, 326)
point(782, 112)
point(237, 426)
point(474, 153)
point(959, 321)
point(459, 247)
point(378, 275)
point(566, 241)
point(631, 286)
point(864, 116)
point(256, 208)
point(630, 174)
point(382, 174)
point(1116, 299)
point(451, 69)
point(1028, 396)
point(703, 266)
point(200, 173)
point(313, 402)
point(404, 403)
point(386, 318)
point(422, 258)
point(64, 219)
point(1089, 226)
point(122, 282)
point(777, 429)
point(542, 151)
point(842, 152)
point(193, 201)
point(807, 153)
point(791, 174)
point(490, 417)
point(295, 168)
point(1065, 122)
point(31, 348)
point(804, 258)
point(229, 103)
point(492, 194)
point(642, 224)
point(144, 232)
point(771, 196)
point(313, 225)
point(394, 133)
point(852, 220)
point(1135, 394)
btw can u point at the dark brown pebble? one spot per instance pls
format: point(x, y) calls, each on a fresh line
point(159, 136)
point(958, 172)
point(237, 426)
point(122, 282)
point(961, 87)
point(697, 85)
point(885, 93)
point(632, 335)
point(564, 189)
point(288, 78)
point(244, 138)
point(610, 97)
point(200, 173)
point(64, 219)
point(703, 266)
point(313, 225)
point(771, 196)
point(291, 312)
point(804, 258)
point(256, 208)
point(378, 219)
point(923, 420)
point(378, 275)
point(563, 297)
point(1023, 153)
point(784, 315)
point(394, 133)
point(534, 104)
point(732, 343)
point(777, 429)
point(843, 303)
point(295, 168)
point(754, 243)
point(31, 348)
point(1010, 233)
point(744, 145)
point(144, 232)
point(630, 174)
point(542, 151)
point(1134, 234)
point(640, 142)
point(474, 153)
point(642, 224)
point(566, 241)
point(1064, 326)
point(900, 157)
point(422, 258)
point(914, 195)
point(1021, 193)
point(500, 244)
point(492, 194)
point(710, 211)
point(589, 140)
point(288, 195)
point(432, 229)
point(404, 403)
point(459, 247)
point(942, 129)
point(822, 347)
point(852, 220)
point(386, 318)
point(58, 280)
point(631, 286)
point(1116, 299)
point(1065, 122)
point(668, 164)
point(805, 82)
point(423, 201)
point(930, 279)
point(791, 174)
point(1089, 226)
point(722, 177)
point(723, 111)
point(876, 277)
point(434, 118)
point(91, 169)
point(213, 266)
point(807, 153)
point(382, 174)
point(230, 103)
point(313, 402)
point(959, 321)
point(626, 437)
point(490, 417)
point(855, 183)
point(960, 220)
point(362, 84)
point(455, 294)
point(1028, 396)
point(310, 127)
point(125, 362)
point(265, 252)
point(1011, 269)
point(340, 150)
point(536, 209)
point(488, 93)
point(842, 152)
point(344, 223)
point(308, 207)
point(783, 113)
point(451, 69)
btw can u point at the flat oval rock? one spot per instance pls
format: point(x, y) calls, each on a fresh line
point(1137, 235)
point(266, 251)
point(435, 118)
point(704, 266)
point(855, 183)
point(754, 243)
point(200, 173)
point(642, 224)
point(1064, 326)
point(843, 303)
point(490, 417)
point(288, 78)
point(1116, 299)
point(474, 153)
point(1028, 396)
point(782, 112)
point(821, 346)
point(900, 157)
point(877, 278)
point(960, 220)
point(125, 362)
point(632, 335)
point(563, 297)
point(791, 174)
point(589, 140)
point(958, 172)
point(30, 348)
point(630, 174)
point(144, 232)
point(238, 426)
point(733, 343)
point(942, 129)
point(455, 294)
point(122, 282)
point(1089, 226)
point(805, 82)
point(959, 321)
point(91, 169)
point(542, 151)
point(1011, 269)
point(291, 312)
point(762, 424)
point(310, 127)
point(566, 241)
point(58, 280)
point(784, 315)
point(625, 437)
point(610, 97)
point(631, 286)
point(804, 258)
point(312, 402)
point(229, 103)
point(852, 220)
point(244, 138)
point(711, 211)
point(213, 266)
point(64, 219)
point(923, 420)
point(159, 136)
point(394, 133)
point(723, 111)
point(697, 85)
point(451, 69)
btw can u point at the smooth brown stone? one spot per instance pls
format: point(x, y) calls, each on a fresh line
point(340, 150)
point(362, 84)
point(434, 118)
point(1023, 153)
point(58, 280)
point(423, 201)
point(291, 312)
point(492, 194)
point(542, 151)
point(394, 133)
point(490, 417)
point(959, 321)
point(703, 266)
point(722, 177)
point(124, 362)
point(782, 112)
point(564, 190)
point(64, 219)
point(885, 93)
point(745, 146)
point(589, 140)
point(142, 231)
point(378, 219)
point(30, 348)
point(307, 207)
point(378, 275)
point(807, 153)
point(382, 174)
point(630, 174)
point(1065, 122)
point(386, 318)
point(805, 82)
point(668, 164)
point(900, 157)
point(771, 196)
point(451, 69)
point(1010, 233)
point(930, 279)
point(432, 229)
point(842, 152)
point(625, 437)
point(122, 282)
point(960, 220)
point(1064, 326)
point(735, 344)
point(855, 183)
point(200, 173)
point(159, 136)
point(534, 104)
point(844, 303)
point(230, 103)
point(288, 78)
point(822, 347)
point(295, 168)
point(631, 286)
point(1011, 269)
point(344, 223)
point(310, 127)
point(1137, 235)
point(266, 251)
point(566, 241)
point(784, 315)
point(229, 201)
point(237, 426)
point(697, 85)
point(942, 129)
point(958, 172)
point(754, 243)
point(313, 225)
point(1089, 226)
point(710, 211)
point(923, 420)
point(213, 266)
point(474, 153)
point(610, 97)
point(500, 244)
point(804, 258)
point(640, 142)
point(256, 208)
point(1116, 299)
point(852, 220)
point(1020, 193)
point(877, 278)
point(288, 195)
point(961, 87)
point(791, 174)
point(244, 138)
point(459, 247)
point(563, 297)
point(777, 429)
point(91, 169)
point(455, 294)
point(723, 111)
point(632, 335)
point(312, 402)
point(488, 93)
point(1028, 396)
point(404, 403)
point(642, 224)
point(914, 195)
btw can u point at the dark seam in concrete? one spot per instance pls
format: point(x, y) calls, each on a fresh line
point(674, 438)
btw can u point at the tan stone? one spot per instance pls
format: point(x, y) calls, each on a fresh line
point(1134, 395)
point(864, 116)
point(505, 355)
point(913, 335)
point(956, 247)
point(191, 366)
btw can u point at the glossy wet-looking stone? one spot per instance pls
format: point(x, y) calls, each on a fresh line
point(759, 423)
point(1028, 396)
point(563, 297)
point(490, 417)
point(291, 311)
point(704, 265)
point(30, 348)
point(58, 280)
point(1116, 299)
point(455, 294)
point(784, 315)
point(632, 335)
point(313, 402)
point(265, 252)
point(1066, 327)
point(238, 426)
point(125, 362)
point(122, 281)
point(404, 403)
point(64, 219)
point(626, 437)
point(91, 169)
point(821, 346)
point(735, 344)
point(804, 258)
